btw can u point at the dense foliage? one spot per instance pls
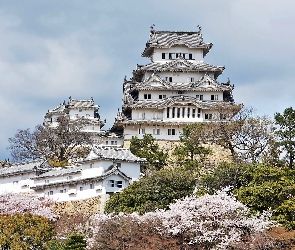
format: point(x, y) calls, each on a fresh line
point(75, 241)
point(191, 151)
point(270, 188)
point(156, 191)
point(149, 149)
point(260, 186)
point(25, 231)
point(286, 133)
point(225, 175)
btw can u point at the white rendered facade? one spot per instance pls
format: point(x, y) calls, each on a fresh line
point(87, 110)
point(17, 178)
point(77, 109)
point(106, 170)
point(175, 89)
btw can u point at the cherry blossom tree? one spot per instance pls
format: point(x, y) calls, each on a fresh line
point(12, 203)
point(208, 222)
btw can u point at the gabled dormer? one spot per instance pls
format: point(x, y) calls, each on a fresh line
point(210, 84)
point(154, 82)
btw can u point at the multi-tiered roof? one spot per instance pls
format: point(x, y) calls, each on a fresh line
point(176, 55)
point(73, 109)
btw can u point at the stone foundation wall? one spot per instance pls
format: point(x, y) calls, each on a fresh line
point(219, 154)
point(89, 206)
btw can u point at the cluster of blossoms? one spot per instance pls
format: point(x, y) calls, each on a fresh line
point(211, 221)
point(12, 203)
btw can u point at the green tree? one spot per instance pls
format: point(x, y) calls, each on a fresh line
point(55, 245)
point(75, 241)
point(156, 191)
point(272, 188)
point(192, 151)
point(233, 175)
point(147, 148)
point(286, 133)
point(25, 231)
point(259, 186)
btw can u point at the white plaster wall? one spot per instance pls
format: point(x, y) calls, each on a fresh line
point(178, 76)
point(91, 172)
point(147, 114)
point(72, 192)
point(112, 142)
point(16, 184)
point(88, 113)
point(55, 179)
point(181, 76)
point(133, 131)
point(161, 115)
point(197, 54)
point(155, 94)
point(115, 178)
point(98, 165)
point(131, 169)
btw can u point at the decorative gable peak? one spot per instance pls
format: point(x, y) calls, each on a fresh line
point(154, 80)
point(168, 39)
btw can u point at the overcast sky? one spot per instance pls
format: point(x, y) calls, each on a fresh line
point(50, 50)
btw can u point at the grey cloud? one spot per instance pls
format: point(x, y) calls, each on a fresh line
point(50, 50)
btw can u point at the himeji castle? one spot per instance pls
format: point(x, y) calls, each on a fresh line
point(174, 89)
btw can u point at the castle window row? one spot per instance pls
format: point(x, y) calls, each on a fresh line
point(157, 131)
point(64, 191)
point(181, 92)
point(172, 56)
point(183, 112)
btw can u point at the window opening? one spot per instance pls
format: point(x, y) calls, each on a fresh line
point(171, 131)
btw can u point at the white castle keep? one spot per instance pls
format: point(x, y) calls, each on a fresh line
point(175, 89)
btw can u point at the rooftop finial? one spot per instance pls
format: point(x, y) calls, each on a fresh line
point(200, 28)
point(152, 27)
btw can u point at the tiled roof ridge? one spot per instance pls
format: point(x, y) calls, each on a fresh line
point(60, 171)
point(26, 163)
point(81, 100)
point(180, 32)
point(171, 100)
point(56, 108)
point(175, 63)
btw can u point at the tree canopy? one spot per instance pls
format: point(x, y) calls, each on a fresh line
point(156, 191)
point(25, 231)
point(286, 133)
point(149, 149)
point(259, 186)
point(192, 150)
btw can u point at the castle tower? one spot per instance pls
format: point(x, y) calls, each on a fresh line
point(175, 89)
